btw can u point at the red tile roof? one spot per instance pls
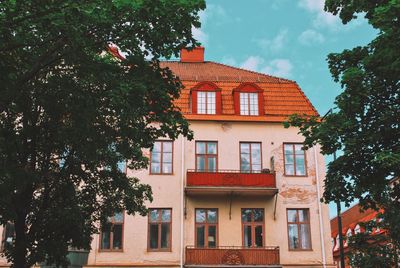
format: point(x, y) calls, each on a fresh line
point(282, 97)
point(350, 218)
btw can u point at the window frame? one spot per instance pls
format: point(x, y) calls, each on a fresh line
point(159, 223)
point(112, 223)
point(294, 160)
point(253, 224)
point(206, 225)
point(206, 156)
point(161, 158)
point(206, 87)
point(207, 107)
point(248, 108)
point(4, 236)
point(298, 228)
point(248, 87)
point(240, 156)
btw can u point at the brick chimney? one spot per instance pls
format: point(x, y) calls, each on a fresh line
point(196, 55)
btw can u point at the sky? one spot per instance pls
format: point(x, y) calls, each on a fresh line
point(285, 38)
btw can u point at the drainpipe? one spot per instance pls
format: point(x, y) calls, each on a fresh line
point(182, 197)
point(321, 224)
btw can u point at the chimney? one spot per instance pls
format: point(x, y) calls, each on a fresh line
point(195, 55)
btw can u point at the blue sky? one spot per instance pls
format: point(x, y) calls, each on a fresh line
point(285, 38)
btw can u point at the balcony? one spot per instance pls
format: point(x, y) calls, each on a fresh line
point(232, 256)
point(230, 181)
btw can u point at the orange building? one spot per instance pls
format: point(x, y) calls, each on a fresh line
point(351, 220)
point(243, 193)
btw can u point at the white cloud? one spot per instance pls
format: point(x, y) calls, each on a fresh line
point(200, 36)
point(322, 18)
point(228, 60)
point(276, 67)
point(275, 44)
point(252, 63)
point(310, 37)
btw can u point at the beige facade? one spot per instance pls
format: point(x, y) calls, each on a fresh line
point(168, 190)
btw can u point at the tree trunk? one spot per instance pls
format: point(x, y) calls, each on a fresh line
point(20, 253)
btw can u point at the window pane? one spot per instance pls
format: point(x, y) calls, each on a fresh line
point(245, 148)
point(212, 216)
point(167, 168)
point(201, 102)
point(305, 236)
point(105, 238)
point(167, 147)
point(165, 235)
point(155, 168)
point(258, 215)
point(245, 161)
point(288, 149)
point(166, 215)
point(154, 215)
point(154, 236)
point(247, 236)
point(289, 159)
point(303, 215)
point(293, 236)
point(256, 168)
point(212, 164)
point(212, 236)
point(258, 236)
point(212, 148)
point(298, 149)
point(200, 215)
point(200, 232)
point(167, 158)
point(201, 163)
point(200, 147)
point(300, 165)
point(292, 215)
point(118, 217)
point(255, 153)
point(246, 215)
point(156, 147)
point(289, 169)
point(155, 157)
point(117, 236)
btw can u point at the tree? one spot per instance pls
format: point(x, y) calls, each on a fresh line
point(70, 113)
point(365, 123)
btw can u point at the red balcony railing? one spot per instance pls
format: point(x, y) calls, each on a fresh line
point(230, 178)
point(232, 256)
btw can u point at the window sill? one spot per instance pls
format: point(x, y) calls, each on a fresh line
point(301, 250)
point(110, 250)
point(161, 174)
point(159, 250)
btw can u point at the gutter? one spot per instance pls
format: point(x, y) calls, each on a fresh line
point(182, 198)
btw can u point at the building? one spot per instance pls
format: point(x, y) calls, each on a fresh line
point(351, 220)
point(242, 193)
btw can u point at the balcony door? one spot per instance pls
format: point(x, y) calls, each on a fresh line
point(253, 227)
point(206, 156)
point(206, 228)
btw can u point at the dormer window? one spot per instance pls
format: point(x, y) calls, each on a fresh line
point(206, 99)
point(248, 103)
point(206, 102)
point(248, 98)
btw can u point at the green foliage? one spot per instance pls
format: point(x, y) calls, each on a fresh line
point(365, 122)
point(62, 97)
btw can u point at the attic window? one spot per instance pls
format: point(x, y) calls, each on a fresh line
point(206, 99)
point(248, 98)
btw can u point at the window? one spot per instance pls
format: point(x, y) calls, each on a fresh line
point(294, 157)
point(253, 227)
point(161, 158)
point(111, 234)
point(206, 228)
point(337, 243)
point(8, 236)
point(299, 229)
point(348, 235)
point(206, 156)
point(160, 229)
point(248, 103)
point(357, 229)
point(250, 157)
point(206, 102)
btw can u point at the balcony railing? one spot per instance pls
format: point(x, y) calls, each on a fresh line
point(230, 178)
point(232, 256)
